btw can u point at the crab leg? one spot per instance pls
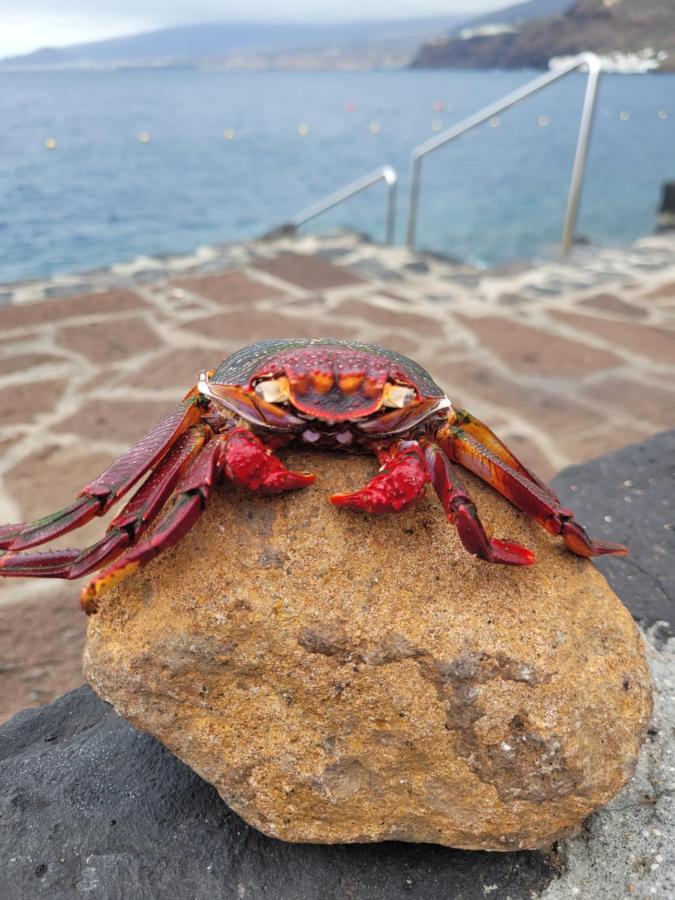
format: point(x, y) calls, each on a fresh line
point(398, 485)
point(485, 436)
point(462, 511)
point(97, 498)
point(243, 458)
point(124, 530)
point(528, 496)
point(193, 492)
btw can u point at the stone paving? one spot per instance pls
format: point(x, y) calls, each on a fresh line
point(566, 360)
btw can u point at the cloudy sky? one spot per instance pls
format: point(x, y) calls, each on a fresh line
point(28, 24)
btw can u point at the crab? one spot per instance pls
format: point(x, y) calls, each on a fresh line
point(328, 394)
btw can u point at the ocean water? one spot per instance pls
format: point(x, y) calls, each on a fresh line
point(103, 196)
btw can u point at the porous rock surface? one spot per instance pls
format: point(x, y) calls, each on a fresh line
point(339, 677)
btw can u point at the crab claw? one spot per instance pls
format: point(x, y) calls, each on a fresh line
point(399, 484)
point(475, 540)
point(250, 464)
point(580, 543)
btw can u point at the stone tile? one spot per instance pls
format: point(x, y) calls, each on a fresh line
point(645, 340)
point(553, 413)
point(115, 420)
point(378, 315)
point(402, 344)
point(41, 645)
point(177, 369)
point(662, 292)
point(228, 288)
point(610, 303)
point(107, 302)
point(21, 403)
point(28, 362)
point(529, 350)
point(511, 299)
point(6, 443)
point(109, 342)
point(258, 325)
point(374, 269)
point(641, 401)
point(52, 477)
point(309, 272)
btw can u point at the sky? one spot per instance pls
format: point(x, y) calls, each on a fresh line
point(29, 24)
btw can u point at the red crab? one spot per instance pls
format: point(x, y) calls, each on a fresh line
point(323, 393)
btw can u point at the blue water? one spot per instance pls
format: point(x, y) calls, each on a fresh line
point(496, 194)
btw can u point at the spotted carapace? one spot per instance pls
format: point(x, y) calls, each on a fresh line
point(324, 393)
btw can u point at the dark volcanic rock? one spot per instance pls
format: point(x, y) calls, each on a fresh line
point(629, 496)
point(89, 805)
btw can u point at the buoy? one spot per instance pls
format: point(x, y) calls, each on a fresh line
point(51, 144)
point(228, 134)
point(436, 125)
point(303, 130)
point(543, 121)
point(144, 137)
point(663, 114)
point(624, 115)
point(438, 106)
point(349, 106)
point(495, 122)
point(374, 127)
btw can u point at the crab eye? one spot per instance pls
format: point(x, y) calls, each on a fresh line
point(397, 395)
point(273, 390)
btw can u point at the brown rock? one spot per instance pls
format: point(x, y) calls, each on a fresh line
point(340, 677)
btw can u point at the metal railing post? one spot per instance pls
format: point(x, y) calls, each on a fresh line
point(532, 87)
point(581, 155)
point(385, 173)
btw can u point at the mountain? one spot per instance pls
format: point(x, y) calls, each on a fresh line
point(219, 42)
point(631, 35)
point(520, 12)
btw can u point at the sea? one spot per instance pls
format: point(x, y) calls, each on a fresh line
point(99, 167)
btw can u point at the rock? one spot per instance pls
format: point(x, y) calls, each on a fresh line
point(92, 807)
point(629, 496)
point(339, 677)
point(666, 218)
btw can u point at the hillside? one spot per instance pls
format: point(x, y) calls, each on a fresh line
point(257, 42)
point(645, 27)
point(520, 12)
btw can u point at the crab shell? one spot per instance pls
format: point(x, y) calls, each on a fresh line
point(330, 380)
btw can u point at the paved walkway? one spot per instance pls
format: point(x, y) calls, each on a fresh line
point(566, 360)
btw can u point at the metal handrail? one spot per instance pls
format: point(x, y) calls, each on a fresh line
point(385, 173)
point(589, 60)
